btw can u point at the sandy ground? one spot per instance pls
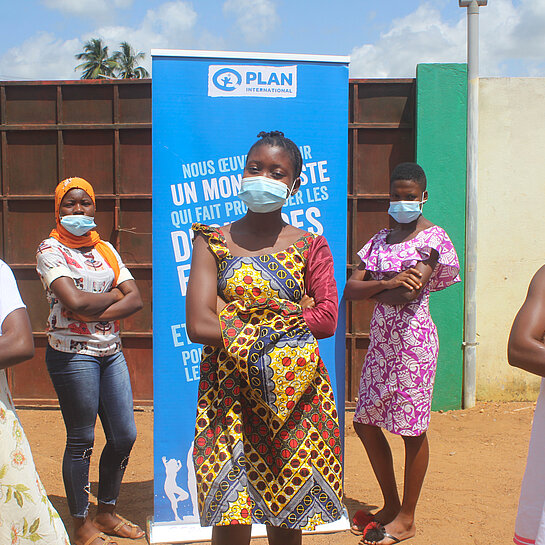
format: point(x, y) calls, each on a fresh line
point(470, 494)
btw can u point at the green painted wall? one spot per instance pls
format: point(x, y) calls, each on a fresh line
point(441, 120)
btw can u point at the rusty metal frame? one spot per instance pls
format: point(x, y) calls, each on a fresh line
point(355, 127)
point(141, 338)
point(371, 116)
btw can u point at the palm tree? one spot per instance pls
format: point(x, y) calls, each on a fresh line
point(97, 62)
point(127, 63)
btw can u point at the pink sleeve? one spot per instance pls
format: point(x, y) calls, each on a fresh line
point(320, 284)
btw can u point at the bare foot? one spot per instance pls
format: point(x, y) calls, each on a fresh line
point(113, 524)
point(387, 514)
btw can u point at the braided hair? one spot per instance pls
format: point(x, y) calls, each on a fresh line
point(278, 140)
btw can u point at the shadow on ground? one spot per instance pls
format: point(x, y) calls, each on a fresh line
point(354, 505)
point(135, 503)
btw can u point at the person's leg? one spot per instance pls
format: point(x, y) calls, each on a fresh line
point(284, 536)
point(380, 455)
point(76, 380)
point(117, 417)
point(417, 454)
point(416, 464)
point(234, 534)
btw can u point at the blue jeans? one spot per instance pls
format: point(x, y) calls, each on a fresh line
point(87, 386)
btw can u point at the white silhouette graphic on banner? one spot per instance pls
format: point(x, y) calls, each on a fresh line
point(175, 493)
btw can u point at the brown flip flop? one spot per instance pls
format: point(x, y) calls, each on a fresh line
point(105, 539)
point(134, 528)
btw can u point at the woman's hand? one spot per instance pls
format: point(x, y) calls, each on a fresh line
point(84, 303)
point(80, 317)
point(307, 302)
point(410, 279)
point(127, 302)
point(407, 286)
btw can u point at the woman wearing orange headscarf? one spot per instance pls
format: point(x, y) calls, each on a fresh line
point(89, 289)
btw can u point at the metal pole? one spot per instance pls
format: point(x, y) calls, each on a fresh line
point(470, 307)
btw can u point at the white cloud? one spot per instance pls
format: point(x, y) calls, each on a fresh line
point(523, 35)
point(255, 19)
point(419, 37)
point(171, 21)
point(97, 9)
point(43, 56)
point(171, 26)
point(507, 32)
point(511, 38)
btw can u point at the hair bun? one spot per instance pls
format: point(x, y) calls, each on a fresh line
point(277, 139)
point(272, 134)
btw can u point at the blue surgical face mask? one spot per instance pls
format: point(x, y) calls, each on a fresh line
point(405, 211)
point(261, 194)
point(79, 224)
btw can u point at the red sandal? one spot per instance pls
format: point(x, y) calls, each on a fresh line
point(359, 522)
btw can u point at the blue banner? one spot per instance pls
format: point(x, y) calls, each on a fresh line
point(207, 111)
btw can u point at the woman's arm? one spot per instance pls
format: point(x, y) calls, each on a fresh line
point(320, 306)
point(202, 322)
point(361, 286)
point(525, 348)
point(130, 303)
point(405, 292)
point(16, 343)
point(81, 302)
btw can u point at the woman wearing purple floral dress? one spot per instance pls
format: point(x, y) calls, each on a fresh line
point(399, 269)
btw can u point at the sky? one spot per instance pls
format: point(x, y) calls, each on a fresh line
point(384, 38)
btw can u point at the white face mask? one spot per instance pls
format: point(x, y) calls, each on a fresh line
point(78, 224)
point(261, 194)
point(406, 211)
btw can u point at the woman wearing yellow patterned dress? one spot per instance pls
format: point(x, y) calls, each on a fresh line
point(267, 439)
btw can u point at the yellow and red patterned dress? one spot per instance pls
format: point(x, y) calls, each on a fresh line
point(267, 439)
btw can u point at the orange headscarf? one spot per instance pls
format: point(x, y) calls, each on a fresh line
point(90, 239)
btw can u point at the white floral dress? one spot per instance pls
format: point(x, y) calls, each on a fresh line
point(26, 515)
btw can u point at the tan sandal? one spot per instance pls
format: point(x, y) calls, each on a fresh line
point(134, 529)
point(105, 539)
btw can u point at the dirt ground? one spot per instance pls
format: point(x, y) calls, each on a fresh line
point(469, 497)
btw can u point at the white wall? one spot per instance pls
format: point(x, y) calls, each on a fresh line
point(511, 224)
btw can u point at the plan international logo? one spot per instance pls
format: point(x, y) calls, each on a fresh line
point(252, 81)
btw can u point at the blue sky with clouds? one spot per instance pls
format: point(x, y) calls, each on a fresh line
point(385, 38)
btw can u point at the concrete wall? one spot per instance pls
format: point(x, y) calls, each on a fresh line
point(511, 226)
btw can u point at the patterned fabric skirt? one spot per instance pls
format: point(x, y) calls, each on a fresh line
point(267, 443)
point(26, 515)
point(398, 374)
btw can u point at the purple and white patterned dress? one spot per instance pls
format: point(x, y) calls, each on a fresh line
point(397, 378)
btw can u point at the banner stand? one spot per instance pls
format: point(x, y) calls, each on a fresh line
point(208, 107)
point(166, 532)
